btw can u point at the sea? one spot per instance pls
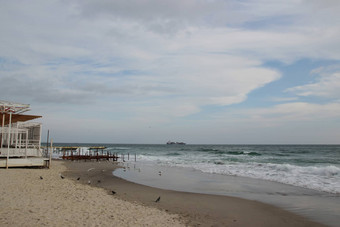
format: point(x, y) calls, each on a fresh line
point(304, 179)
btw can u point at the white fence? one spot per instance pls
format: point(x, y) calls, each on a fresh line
point(22, 139)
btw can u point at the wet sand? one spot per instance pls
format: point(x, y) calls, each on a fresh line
point(314, 205)
point(195, 209)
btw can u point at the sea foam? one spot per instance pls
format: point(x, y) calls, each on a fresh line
point(321, 178)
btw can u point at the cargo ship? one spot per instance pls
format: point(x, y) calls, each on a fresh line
point(175, 143)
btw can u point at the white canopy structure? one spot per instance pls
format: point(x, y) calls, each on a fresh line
point(19, 139)
point(10, 107)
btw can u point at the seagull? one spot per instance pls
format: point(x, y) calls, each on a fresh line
point(78, 178)
point(41, 178)
point(113, 192)
point(157, 200)
point(89, 182)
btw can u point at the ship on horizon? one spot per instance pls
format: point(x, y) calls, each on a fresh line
point(175, 143)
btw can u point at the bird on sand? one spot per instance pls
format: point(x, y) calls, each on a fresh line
point(41, 178)
point(89, 182)
point(62, 177)
point(113, 192)
point(78, 178)
point(157, 200)
point(98, 181)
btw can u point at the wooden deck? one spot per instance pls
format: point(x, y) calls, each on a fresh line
point(91, 157)
point(25, 162)
point(93, 153)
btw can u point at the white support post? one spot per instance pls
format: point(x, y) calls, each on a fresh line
point(2, 129)
point(51, 151)
point(9, 138)
point(26, 143)
point(16, 137)
point(20, 135)
point(40, 136)
point(48, 139)
point(12, 136)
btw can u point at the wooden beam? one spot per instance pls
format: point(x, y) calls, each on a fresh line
point(18, 117)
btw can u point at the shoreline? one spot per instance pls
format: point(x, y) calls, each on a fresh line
point(194, 208)
point(318, 206)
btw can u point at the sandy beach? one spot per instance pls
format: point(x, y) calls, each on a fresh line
point(27, 200)
point(194, 208)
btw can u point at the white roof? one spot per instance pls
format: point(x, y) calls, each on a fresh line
point(11, 107)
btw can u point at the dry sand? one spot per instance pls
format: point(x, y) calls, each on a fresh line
point(27, 200)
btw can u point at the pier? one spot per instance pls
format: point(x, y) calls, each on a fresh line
point(94, 153)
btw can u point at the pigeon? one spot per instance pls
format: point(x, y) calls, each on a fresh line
point(41, 178)
point(62, 177)
point(113, 192)
point(78, 178)
point(157, 200)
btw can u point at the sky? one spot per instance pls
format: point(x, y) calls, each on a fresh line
point(198, 71)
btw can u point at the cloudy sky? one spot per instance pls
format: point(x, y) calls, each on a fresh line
point(199, 71)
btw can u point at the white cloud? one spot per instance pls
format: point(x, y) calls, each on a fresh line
point(327, 84)
point(204, 55)
point(284, 99)
point(170, 15)
point(296, 112)
point(296, 122)
point(202, 59)
point(280, 115)
point(162, 60)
